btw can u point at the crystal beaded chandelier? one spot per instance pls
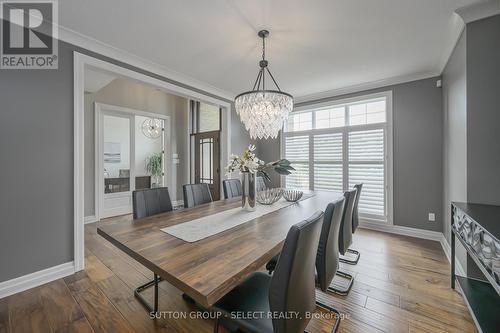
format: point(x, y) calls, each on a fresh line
point(263, 111)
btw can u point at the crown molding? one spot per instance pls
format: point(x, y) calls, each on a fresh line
point(94, 45)
point(479, 11)
point(461, 17)
point(364, 87)
point(457, 28)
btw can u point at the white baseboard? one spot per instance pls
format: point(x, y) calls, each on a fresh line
point(178, 203)
point(90, 219)
point(447, 251)
point(35, 279)
point(400, 230)
point(417, 233)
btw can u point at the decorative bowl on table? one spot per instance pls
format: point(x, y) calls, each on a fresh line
point(292, 195)
point(269, 196)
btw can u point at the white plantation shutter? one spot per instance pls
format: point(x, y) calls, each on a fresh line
point(366, 165)
point(297, 152)
point(366, 146)
point(328, 162)
point(351, 149)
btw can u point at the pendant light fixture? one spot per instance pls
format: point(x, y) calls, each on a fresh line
point(152, 128)
point(262, 111)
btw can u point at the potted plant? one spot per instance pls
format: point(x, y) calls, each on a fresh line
point(154, 168)
point(249, 167)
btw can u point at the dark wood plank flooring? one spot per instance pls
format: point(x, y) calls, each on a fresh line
point(401, 285)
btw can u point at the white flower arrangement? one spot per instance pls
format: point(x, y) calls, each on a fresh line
point(248, 162)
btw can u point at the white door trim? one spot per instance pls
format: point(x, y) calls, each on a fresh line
point(81, 62)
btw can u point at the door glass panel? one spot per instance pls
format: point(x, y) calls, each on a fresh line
point(206, 160)
point(149, 154)
point(116, 150)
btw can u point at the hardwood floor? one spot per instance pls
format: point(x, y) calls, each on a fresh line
point(401, 285)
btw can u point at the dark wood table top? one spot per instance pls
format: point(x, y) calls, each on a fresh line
point(207, 269)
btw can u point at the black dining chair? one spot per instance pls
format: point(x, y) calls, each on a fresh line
point(289, 290)
point(327, 257)
point(345, 238)
point(355, 214)
point(232, 188)
point(149, 202)
point(355, 224)
point(196, 194)
point(261, 184)
point(327, 260)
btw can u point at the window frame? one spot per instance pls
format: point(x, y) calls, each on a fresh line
point(365, 219)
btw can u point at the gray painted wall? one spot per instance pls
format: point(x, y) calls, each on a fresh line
point(455, 137)
point(240, 138)
point(269, 150)
point(418, 149)
point(471, 102)
point(483, 111)
point(36, 135)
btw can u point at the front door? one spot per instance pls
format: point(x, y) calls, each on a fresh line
point(207, 161)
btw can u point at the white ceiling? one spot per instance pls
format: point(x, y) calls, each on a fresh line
point(314, 46)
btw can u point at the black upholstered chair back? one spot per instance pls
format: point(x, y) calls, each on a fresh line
point(150, 202)
point(355, 213)
point(327, 257)
point(196, 194)
point(232, 188)
point(261, 185)
point(345, 239)
point(292, 287)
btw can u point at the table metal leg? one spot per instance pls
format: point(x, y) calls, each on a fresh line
point(144, 302)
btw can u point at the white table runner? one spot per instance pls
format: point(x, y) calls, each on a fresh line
point(210, 225)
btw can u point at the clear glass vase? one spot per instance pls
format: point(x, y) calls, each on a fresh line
point(249, 189)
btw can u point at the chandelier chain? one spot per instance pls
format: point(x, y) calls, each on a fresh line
point(263, 48)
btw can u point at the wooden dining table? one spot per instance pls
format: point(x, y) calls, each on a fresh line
point(208, 269)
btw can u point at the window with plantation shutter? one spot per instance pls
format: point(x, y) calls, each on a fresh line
point(336, 146)
point(297, 152)
point(366, 165)
point(328, 162)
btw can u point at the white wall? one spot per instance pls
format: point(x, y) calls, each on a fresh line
point(144, 148)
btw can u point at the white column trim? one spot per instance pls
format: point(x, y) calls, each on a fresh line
point(81, 62)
